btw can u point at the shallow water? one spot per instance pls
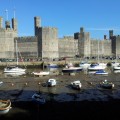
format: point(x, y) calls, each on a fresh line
point(21, 88)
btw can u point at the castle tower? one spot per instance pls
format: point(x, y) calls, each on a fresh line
point(14, 24)
point(37, 25)
point(7, 24)
point(110, 33)
point(81, 30)
point(84, 43)
point(1, 22)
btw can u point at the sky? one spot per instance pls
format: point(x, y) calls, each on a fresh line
point(96, 16)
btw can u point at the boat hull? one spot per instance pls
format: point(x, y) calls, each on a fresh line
point(107, 86)
point(51, 82)
point(5, 106)
point(41, 73)
point(4, 111)
point(14, 70)
point(71, 70)
point(76, 85)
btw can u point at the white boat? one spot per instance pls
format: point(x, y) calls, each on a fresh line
point(84, 64)
point(117, 67)
point(5, 106)
point(116, 71)
point(69, 68)
point(72, 69)
point(101, 72)
point(41, 73)
point(113, 64)
point(1, 82)
point(76, 84)
point(95, 67)
point(51, 82)
point(37, 98)
point(14, 74)
point(104, 65)
point(106, 84)
point(14, 69)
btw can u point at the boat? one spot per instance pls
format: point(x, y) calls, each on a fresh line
point(107, 85)
point(98, 65)
point(116, 71)
point(72, 69)
point(95, 66)
point(14, 74)
point(101, 72)
point(116, 67)
point(5, 106)
point(84, 64)
point(51, 82)
point(76, 84)
point(38, 98)
point(51, 65)
point(41, 73)
point(113, 64)
point(1, 82)
point(14, 69)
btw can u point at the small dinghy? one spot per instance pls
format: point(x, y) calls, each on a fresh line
point(76, 84)
point(1, 83)
point(37, 98)
point(41, 73)
point(51, 82)
point(107, 85)
point(5, 106)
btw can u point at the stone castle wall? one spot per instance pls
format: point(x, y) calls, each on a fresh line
point(7, 36)
point(27, 46)
point(46, 44)
point(68, 46)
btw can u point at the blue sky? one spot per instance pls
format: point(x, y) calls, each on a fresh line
point(96, 16)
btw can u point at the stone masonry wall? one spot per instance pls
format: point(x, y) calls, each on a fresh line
point(27, 46)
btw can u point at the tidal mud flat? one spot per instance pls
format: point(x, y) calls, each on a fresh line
point(62, 101)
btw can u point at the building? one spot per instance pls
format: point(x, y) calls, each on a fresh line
point(46, 44)
point(7, 35)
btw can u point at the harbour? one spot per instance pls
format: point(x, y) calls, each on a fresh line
point(19, 89)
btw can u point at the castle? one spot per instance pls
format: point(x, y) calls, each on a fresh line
point(46, 44)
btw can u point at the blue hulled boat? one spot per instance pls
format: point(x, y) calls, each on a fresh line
point(52, 65)
point(101, 72)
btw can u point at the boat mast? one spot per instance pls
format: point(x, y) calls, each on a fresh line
point(98, 50)
point(16, 52)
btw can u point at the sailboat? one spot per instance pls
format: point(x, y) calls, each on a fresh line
point(97, 66)
point(14, 69)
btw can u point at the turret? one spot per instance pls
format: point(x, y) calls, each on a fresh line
point(14, 24)
point(110, 33)
point(7, 24)
point(37, 24)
